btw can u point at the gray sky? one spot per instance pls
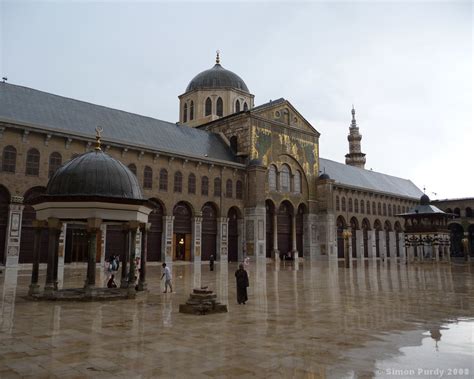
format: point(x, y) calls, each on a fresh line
point(407, 67)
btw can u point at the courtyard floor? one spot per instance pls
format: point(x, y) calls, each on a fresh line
point(315, 320)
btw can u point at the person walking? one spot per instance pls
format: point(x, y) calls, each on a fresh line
point(167, 275)
point(242, 283)
point(211, 262)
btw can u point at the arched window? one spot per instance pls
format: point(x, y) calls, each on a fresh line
point(239, 190)
point(217, 187)
point(133, 168)
point(272, 178)
point(185, 113)
point(204, 186)
point(350, 204)
point(208, 106)
point(32, 162)
point(55, 161)
point(237, 106)
point(297, 182)
point(192, 183)
point(390, 209)
point(368, 207)
point(468, 212)
point(191, 111)
point(285, 179)
point(178, 182)
point(343, 204)
point(219, 107)
point(338, 205)
point(246, 107)
point(362, 206)
point(9, 159)
point(234, 144)
point(457, 212)
point(228, 188)
point(147, 178)
point(374, 208)
point(163, 180)
point(384, 209)
point(356, 206)
point(379, 209)
point(399, 209)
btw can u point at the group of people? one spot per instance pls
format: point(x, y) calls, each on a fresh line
point(113, 263)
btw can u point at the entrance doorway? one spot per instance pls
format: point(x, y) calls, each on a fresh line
point(182, 243)
point(182, 232)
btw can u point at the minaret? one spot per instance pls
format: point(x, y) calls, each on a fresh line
point(355, 157)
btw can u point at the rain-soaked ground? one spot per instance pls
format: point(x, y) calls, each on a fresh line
point(310, 320)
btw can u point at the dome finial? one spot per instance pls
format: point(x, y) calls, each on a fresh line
point(98, 132)
point(218, 60)
point(354, 123)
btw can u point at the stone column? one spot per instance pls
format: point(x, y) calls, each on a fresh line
point(103, 243)
point(197, 238)
point(294, 248)
point(346, 234)
point(401, 246)
point(168, 238)
point(371, 242)
point(133, 248)
point(393, 245)
point(142, 285)
point(54, 226)
point(275, 252)
point(436, 250)
point(93, 227)
point(310, 236)
point(13, 232)
point(222, 238)
point(255, 232)
point(38, 226)
point(124, 257)
point(241, 239)
point(383, 244)
point(360, 244)
point(61, 253)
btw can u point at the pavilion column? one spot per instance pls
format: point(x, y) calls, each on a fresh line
point(276, 252)
point(346, 234)
point(168, 238)
point(197, 238)
point(294, 249)
point(222, 238)
point(142, 285)
point(383, 244)
point(360, 244)
point(372, 244)
point(133, 236)
point(54, 226)
point(124, 257)
point(13, 232)
point(93, 227)
point(38, 226)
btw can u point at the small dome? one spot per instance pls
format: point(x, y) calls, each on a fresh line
point(425, 200)
point(95, 174)
point(324, 176)
point(217, 77)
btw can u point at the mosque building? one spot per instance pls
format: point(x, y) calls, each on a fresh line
point(230, 178)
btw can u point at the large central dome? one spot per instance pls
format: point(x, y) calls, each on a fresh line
point(217, 77)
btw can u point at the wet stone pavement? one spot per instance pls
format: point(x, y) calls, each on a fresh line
point(315, 320)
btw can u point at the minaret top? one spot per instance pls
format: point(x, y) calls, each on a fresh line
point(355, 157)
point(353, 123)
point(218, 59)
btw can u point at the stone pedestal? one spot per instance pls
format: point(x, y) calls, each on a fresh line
point(202, 301)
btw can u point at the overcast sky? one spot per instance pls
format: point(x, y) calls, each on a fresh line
point(407, 67)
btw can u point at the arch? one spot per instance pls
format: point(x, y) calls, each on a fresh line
point(338, 205)
point(456, 236)
point(208, 107)
point(191, 111)
point(246, 107)
point(340, 225)
point(449, 210)
point(284, 228)
point(133, 168)
point(365, 235)
point(297, 182)
point(362, 207)
point(377, 228)
point(192, 184)
point(229, 190)
point(185, 113)
point(269, 225)
point(209, 230)
point(182, 230)
point(205, 186)
point(9, 159)
point(163, 179)
point(239, 190)
point(272, 178)
point(354, 227)
point(27, 232)
point(468, 212)
point(237, 106)
point(457, 212)
point(147, 177)
point(285, 178)
point(178, 182)
point(301, 210)
point(4, 208)
point(55, 161)
point(217, 187)
point(234, 215)
point(220, 107)
point(234, 144)
point(32, 162)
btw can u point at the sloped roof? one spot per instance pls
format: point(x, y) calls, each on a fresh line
point(425, 209)
point(42, 110)
point(371, 180)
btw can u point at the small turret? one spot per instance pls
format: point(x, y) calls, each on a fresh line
point(355, 157)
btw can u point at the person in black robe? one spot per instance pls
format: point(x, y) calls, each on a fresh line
point(242, 284)
point(111, 283)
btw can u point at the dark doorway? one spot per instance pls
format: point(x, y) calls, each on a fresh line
point(183, 231)
point(340, 225)
point(181, 243)
point(209, 231)
point(76, 244)
point(365, 236)
point(233, 235)
point(299, 229)
point(378, 228)
point(269, 211)
point(155, 233)
point(4, 204)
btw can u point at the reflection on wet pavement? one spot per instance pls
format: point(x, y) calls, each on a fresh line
point(313, 319)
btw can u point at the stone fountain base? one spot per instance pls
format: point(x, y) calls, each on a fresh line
point(202, 301)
